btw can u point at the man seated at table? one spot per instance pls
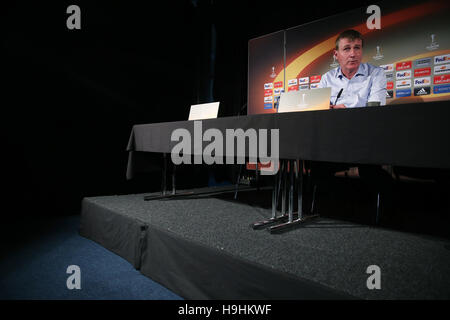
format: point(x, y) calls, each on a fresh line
point(354, 85)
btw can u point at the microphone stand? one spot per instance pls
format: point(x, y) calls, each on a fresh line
point(242, 108)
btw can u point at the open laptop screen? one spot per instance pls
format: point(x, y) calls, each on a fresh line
point(305, 100)
point(204, 111)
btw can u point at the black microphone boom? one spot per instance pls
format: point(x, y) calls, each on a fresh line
point(338, 96)
point(242, 108)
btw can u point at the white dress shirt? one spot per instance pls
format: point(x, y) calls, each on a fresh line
point(367, 85)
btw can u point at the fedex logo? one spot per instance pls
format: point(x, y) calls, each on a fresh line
point(278, 84)
point(422, 72)
point(420, 82)
point(445, 68)
point(442, 79)
point(268, 85)
point(442, 59)
point(314, 85)
point(403, 84)
point(403, 65)
point(390, 85)
point(268, 92)
point(403, 75)
point(292, 82)
point(277, 91)
point(315, 79)
point(304, 80)
point(387, 67)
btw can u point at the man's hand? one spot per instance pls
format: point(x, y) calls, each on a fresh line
point(338, 106)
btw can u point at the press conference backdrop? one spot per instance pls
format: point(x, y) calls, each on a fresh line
point(412, 46)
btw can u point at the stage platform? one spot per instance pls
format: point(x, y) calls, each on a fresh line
point(203, 247)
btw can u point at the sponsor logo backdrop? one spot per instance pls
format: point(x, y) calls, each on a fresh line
point(412, 46)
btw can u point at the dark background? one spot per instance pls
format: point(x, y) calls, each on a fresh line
point(71, 97)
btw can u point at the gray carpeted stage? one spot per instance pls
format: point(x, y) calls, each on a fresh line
point(203, 247)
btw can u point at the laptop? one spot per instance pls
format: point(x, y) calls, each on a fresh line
point(305, 100)
point(204, 111)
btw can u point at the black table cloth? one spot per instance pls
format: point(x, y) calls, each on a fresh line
point(415, 135)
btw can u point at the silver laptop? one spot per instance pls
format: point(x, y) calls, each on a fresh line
point(305, 100)
point(204, 111)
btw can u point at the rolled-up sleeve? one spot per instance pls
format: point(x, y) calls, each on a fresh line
point(378, 89)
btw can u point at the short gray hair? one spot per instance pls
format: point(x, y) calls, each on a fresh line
point(351, 35)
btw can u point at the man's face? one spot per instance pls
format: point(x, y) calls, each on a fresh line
point(349, 54)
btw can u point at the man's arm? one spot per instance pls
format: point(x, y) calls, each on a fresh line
point(378, 90)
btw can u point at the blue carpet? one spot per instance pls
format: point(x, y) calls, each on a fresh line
point(35, 256)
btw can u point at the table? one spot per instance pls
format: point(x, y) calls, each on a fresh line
point(412, 135)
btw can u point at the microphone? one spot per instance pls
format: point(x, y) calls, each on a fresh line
point(338, 96)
